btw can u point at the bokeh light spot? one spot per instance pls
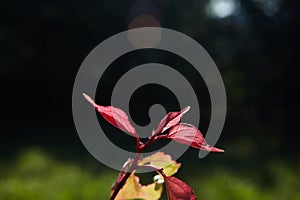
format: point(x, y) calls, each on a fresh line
point(221, 8)
point(147, 38)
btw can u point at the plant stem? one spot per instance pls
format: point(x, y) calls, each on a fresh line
point(134, 165)
point(120, 185)
point(122, 182)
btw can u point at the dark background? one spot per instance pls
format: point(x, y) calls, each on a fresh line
point(43, 43)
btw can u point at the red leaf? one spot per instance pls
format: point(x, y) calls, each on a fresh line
point(178, 190)
point(190, 135)
point(171, 119)
point(115, 116)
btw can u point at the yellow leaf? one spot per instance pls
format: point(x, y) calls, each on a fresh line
point(134, 190)
point(161, 160)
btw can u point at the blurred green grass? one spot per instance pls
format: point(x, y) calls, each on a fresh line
point(34, 174)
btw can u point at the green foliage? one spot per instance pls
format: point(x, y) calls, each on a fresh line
point(226, 185)
point(36, 175)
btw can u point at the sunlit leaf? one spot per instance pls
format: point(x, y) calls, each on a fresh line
point(161, 160)
point(171, 119)
point(178, 190)
point(190, 135)
point(134, 190)
point(115, 116)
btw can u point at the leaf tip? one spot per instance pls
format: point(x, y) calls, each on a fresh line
point(89, 99)
point(215, 149)
point(186, 109)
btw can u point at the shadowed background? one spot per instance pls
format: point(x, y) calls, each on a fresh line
point(253, 42)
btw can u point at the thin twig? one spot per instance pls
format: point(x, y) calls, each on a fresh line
point(134, 165)
point(122, 182)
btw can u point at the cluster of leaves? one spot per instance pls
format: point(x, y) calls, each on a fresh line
point(127, 185)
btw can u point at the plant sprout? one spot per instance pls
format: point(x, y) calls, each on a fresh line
point(127, 185)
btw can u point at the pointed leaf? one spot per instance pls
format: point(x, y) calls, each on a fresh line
point(115, 116)
point(171, 119)
point(190, 135)
point(134, 190)
point(178, 190)
point(161, 160)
